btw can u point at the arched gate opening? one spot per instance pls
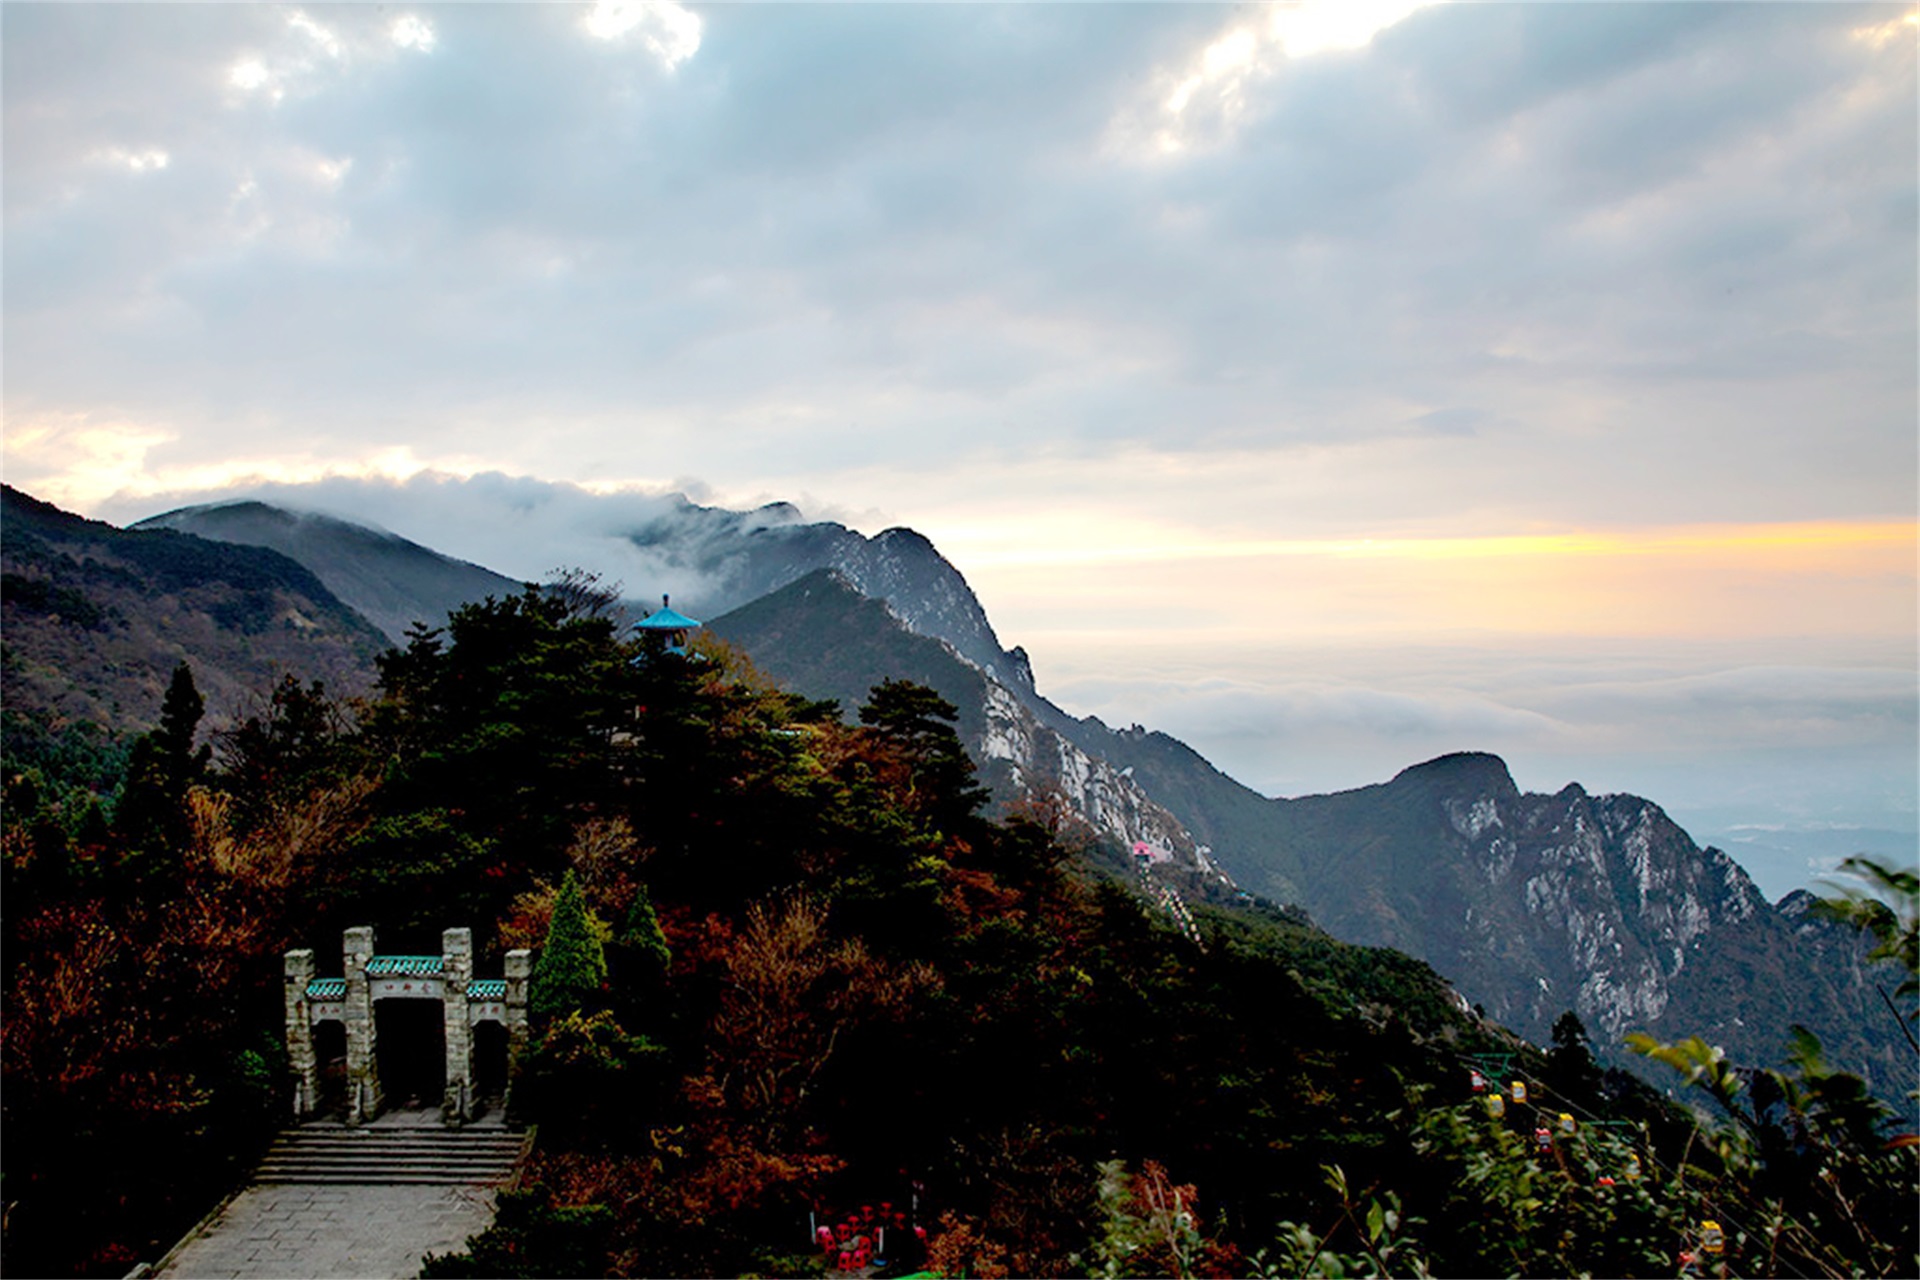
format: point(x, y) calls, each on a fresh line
point(412, 1053)
point(330, 1055)
point(491, 1048)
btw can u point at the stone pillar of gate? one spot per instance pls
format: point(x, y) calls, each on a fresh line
point(363, 1069)
point(456, 967)
point(519, 973)
point(300, 1054)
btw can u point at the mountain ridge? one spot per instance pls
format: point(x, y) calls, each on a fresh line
point(1530, 904)
point(97, 617)
point(866, 641)
point(392, 581)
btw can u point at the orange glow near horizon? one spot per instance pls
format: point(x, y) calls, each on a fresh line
point(1684, 540)
point(1828, 578)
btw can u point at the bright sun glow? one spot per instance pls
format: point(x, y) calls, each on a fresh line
point(147, 161)
point(78, 462)
point(670, 32)
point(1804, 579)
point(411, 32)
point(1209, 96)
point(1905, 27)
point(1306, 29)
point(249, 74)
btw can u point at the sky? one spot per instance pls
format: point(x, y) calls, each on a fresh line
point(1329, 385)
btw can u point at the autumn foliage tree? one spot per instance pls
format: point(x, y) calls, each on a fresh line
point(833, 980)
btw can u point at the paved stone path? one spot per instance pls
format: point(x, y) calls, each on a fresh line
point(332, 1233)
point(335, 1231)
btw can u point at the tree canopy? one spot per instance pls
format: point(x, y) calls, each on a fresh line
point(793, 966)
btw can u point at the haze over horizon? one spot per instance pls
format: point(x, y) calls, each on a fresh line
point(1330, 386)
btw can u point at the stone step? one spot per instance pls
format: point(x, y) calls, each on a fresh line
point(372, 1178)
point(394, 1153)
point(287, 1163)
point(392, 1157)
point(510, 1142)
point(402, 1137)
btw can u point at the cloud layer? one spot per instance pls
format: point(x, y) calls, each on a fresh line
point(1653, 243)
point(1184, 297)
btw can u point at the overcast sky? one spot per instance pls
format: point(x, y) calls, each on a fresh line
point(1331, 387)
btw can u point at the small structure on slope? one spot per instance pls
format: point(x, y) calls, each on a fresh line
point(479, 1033)
point(665, 630)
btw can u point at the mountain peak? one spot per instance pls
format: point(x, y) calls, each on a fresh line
point(775, 515)
point(1478, 771)
point(391, 581)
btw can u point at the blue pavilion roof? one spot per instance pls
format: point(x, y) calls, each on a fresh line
point(665, 619)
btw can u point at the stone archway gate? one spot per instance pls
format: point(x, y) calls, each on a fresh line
point(466, 1002)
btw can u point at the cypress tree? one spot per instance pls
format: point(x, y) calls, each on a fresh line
point(151, 814)
point(642, 934)
point(572, 965)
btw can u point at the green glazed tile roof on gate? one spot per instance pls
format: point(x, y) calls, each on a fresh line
point(404, 967)
point(327, 989)
point(487, 989)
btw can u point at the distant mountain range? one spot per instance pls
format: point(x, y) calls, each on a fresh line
point(97, 617)
point(390, 581)
point(1530, 904)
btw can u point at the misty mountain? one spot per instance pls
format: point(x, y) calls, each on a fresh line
point(740, 556)
point(97, 617)
point(392, 582)
point(1530, 904)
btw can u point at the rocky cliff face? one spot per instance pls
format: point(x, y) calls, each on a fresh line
point(742, 556)
point(821, 637)
point(1534, 904)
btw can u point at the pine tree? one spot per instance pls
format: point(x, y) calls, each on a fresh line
point(151, 813)
point(917, 721)
point(642, 934)
point(572, 965)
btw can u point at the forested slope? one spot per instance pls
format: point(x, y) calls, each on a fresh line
point(96, 618)
point(789, 969)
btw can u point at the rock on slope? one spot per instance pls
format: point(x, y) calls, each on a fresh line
point(821, 637)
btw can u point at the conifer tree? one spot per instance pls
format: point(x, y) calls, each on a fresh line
point(151, 813)
point(919, 722)
point(572, 965)
point(642, 934)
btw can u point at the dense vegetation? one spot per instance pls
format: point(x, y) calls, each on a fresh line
point(93, 620)
point(789, 969)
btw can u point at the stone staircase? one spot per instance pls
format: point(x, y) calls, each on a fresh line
point(373, 1156)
